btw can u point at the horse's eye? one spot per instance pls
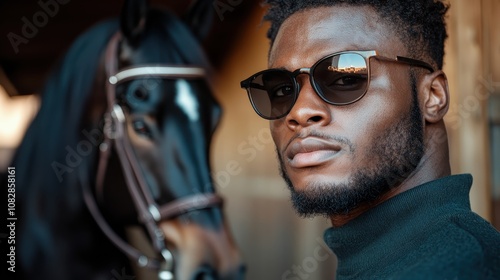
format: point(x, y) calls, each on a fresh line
point(141, 128)
point(141, 93)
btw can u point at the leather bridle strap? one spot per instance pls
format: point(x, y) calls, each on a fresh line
point(128, 250)
point(189, 203)
point(115, 135)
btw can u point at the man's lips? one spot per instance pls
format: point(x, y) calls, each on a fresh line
point(310, 151)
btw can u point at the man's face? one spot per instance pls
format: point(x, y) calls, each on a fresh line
point(336, 158)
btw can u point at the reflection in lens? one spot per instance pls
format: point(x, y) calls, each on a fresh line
point(341, 79)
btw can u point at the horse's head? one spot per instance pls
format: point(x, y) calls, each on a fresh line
point(159, 122)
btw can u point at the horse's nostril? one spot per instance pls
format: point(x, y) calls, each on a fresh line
point(205, 273)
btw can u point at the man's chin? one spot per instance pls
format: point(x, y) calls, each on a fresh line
point(319, 200)
point(305, 205)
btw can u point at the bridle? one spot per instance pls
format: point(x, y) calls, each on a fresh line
point(115, 136)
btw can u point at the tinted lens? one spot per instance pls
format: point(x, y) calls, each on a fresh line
point(342, 78)
point(272, 93)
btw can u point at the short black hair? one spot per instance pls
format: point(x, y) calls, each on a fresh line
point(419, 23)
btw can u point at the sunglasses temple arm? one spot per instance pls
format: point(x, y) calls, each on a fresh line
point(245, 84)
point(408, 61)
point(415, 62)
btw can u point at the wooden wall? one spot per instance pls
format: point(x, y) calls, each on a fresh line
point(473, 69)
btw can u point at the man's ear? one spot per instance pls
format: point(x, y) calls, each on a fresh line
point(436, 96)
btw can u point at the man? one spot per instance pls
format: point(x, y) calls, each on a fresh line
point(356, 97)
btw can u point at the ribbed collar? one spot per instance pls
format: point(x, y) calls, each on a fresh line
point(361, 243)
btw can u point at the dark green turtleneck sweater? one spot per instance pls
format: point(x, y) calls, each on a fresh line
point(428, 232)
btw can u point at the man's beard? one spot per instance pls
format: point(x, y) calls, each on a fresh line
point(395, 155)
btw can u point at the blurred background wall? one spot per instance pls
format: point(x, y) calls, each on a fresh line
point(274, 241)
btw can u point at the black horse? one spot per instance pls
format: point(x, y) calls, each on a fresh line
point(122, 138)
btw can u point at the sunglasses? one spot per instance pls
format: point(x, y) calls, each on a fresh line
point(339, 79)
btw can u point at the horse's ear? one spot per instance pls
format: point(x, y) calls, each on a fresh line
point(133, 19)
point(200, 17)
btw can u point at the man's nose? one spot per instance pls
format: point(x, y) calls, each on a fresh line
point(309, 108)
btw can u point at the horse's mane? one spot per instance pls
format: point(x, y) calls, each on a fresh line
point(41, 196)
point(48, 206)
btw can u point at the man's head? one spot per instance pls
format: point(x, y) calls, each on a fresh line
point(338, 157)
point(419, 24)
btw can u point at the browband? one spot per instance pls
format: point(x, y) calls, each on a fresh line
point(157, 71)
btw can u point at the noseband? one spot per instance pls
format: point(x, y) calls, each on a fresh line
point(115, 135)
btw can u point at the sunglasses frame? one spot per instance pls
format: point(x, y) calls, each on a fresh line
point(246, 84)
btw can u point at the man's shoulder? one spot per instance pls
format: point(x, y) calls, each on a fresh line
point(483, 236)
point(453, 253)
point(464, 246)
point(459, 246)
